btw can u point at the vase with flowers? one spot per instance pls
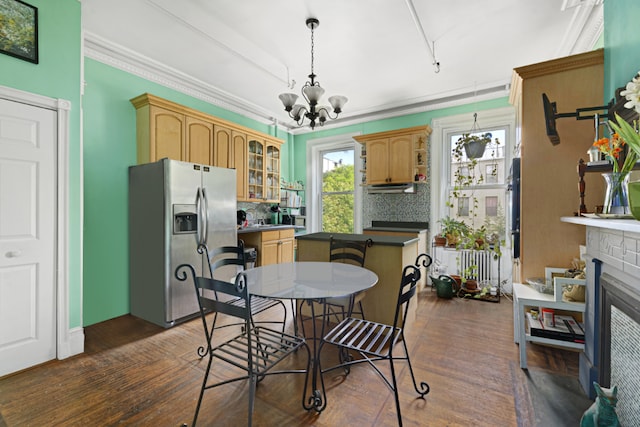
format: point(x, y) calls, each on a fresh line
point(616, 200)
point(628, 133)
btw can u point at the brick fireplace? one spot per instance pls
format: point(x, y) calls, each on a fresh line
point(612, 317)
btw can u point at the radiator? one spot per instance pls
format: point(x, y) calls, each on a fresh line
point(481, 259)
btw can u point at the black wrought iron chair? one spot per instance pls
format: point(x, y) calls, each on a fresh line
point(376, 341)
point(255, 351)
point(234, 256)
point(351, 252)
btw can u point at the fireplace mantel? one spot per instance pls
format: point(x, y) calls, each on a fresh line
point(612, 224)
point(613, 247)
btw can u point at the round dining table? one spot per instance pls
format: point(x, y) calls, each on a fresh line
point(313, 282)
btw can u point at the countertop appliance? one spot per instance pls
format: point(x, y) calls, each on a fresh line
point(174, 206)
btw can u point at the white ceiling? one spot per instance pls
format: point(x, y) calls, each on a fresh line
point(241, 54)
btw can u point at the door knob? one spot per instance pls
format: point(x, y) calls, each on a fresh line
point(13, 254)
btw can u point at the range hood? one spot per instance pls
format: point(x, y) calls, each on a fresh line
point(408, 188)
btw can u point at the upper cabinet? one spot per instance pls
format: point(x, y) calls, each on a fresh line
point(264, 170)
point(167, 129)
point(395, 157)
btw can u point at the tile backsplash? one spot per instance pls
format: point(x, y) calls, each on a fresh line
point(397, 207)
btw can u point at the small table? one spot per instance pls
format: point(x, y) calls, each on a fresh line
point(310, 281)
point(525, 295)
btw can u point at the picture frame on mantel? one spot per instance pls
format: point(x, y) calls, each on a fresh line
point(19, 35)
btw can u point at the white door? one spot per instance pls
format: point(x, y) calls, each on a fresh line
point(27, 235)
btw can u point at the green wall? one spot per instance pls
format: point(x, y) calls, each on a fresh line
point(57, 75)
point(109, 149)
point(621, 44)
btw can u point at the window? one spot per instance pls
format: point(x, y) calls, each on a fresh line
point(463, 206)
point(490, 174)
point(338, 184)
point(491, 206)
point(324, 195)
point(500, 122)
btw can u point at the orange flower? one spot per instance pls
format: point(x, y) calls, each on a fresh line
point(611, 149)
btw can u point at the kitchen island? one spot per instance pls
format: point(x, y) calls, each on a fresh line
point(387, 257)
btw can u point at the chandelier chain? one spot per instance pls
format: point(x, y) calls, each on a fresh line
point(312, 47)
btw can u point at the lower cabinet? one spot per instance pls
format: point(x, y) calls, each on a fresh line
point(274, 246)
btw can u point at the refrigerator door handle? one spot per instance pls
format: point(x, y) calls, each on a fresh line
point(200, 227)
point(205, 216)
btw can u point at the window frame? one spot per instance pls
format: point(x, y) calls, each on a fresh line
point(443, 128)
point(314, 178)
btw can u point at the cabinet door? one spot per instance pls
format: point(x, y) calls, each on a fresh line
point(401, 158)
point(286, 250)
point(256, 169)
point(378, 161)
point(269, 253)
point(222, 147)
point(272, 173)
point(167, 135)
point(199, 141)
point(239, 155)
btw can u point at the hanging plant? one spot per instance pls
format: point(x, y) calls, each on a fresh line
point(474, 145)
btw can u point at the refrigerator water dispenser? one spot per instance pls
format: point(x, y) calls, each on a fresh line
point(185, 219)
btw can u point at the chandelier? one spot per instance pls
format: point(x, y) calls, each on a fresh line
point(312, 92)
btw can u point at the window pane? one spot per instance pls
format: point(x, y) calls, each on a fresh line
point(338, 171)
point(491, 206)
point(337, 213)
point(463, 206)
point(338, 191)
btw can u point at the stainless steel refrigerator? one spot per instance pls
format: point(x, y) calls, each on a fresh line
point(173, 206)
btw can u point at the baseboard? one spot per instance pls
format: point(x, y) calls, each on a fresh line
point(72, 344)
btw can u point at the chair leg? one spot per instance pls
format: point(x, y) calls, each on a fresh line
point(253, 380)
point(202, 389)
point(361, 310)
point(395, 391)
point(424, 387)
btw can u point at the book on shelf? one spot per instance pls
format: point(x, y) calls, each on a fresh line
point(566, 329)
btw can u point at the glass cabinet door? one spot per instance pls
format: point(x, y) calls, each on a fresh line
point(273, 174)
point(256, 169)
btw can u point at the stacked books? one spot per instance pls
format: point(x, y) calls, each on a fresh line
point(565, 329)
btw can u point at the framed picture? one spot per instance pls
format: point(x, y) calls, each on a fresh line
point(19, 30)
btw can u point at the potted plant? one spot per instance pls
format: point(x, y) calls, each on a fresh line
point(474, 144)
point(453, 230)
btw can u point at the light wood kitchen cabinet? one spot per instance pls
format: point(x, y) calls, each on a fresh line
point(240, 153)
point(163, 133)
point(392, 156)
point(274, 246)
point(200, 141)
point(223, 151)
point(166, 129)
point(263, 170)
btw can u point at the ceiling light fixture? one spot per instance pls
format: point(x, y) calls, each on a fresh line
point(312, 92)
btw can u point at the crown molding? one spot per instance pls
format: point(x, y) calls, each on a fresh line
point(112, 54)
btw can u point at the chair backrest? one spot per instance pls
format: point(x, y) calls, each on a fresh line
point(408, 284)
point(224, 255)
point(210, 293)
point(349, 251)
point(423, 260)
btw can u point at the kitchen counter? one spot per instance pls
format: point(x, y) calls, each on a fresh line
point(268, 227)
point(399, 226)
point(377, 240)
